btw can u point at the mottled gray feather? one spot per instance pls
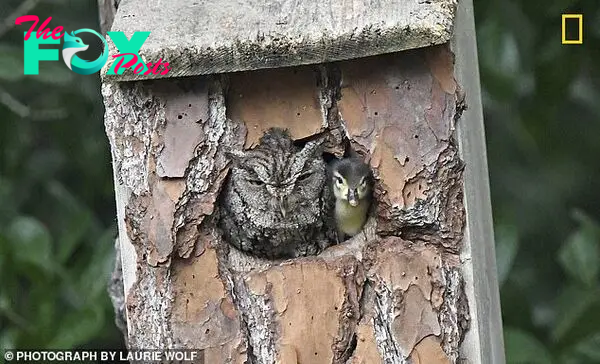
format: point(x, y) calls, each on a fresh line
point(277, 175)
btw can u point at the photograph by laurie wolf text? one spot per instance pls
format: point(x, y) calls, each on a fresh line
point(113, 356)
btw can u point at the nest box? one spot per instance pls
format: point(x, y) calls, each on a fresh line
point(392, 79)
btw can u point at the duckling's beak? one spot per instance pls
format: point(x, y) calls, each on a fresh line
point(353, 197)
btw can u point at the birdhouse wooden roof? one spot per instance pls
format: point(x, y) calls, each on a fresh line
point(205, 37)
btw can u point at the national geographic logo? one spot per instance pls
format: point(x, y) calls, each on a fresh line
point(572, 29)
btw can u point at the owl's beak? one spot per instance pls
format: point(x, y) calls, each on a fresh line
point(353, 197)
point(283, 206)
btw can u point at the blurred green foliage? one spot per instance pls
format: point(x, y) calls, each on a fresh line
point(57, 224)
point(542, 113)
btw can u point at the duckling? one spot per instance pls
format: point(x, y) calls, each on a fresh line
point(352, 184)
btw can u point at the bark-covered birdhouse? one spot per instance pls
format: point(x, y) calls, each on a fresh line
point(305, 185)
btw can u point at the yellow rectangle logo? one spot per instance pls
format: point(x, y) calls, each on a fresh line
point(579, 18)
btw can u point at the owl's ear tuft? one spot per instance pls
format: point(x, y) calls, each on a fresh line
point(274, 134)
point(235, 155)
point(276, 138)
point(313, 147)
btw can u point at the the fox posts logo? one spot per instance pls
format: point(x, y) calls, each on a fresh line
point(128, 56)
point(74, 44)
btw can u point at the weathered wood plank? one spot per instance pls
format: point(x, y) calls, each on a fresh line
point(484, 341)
point(206, 37)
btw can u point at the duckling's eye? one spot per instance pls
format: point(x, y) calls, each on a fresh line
point(338, 181)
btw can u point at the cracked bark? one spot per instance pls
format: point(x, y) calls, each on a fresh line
point(394, 294)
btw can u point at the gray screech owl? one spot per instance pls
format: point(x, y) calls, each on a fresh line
point(276, 203)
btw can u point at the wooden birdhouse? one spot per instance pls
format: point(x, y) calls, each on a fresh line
point(395, 81)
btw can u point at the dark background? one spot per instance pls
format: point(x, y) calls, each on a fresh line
point(542, 115)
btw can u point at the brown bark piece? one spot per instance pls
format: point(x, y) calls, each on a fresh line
point(441, 63)
point(408, 278)
point(149, 217)
point(152, 214)
point(414, 190)
point(366, 347)
point(185, 112)
point(402, 264)
point(286, 98)
point(416, 319)
point(315, 307)
point(429, 351)
point(159, 219)
point(203, 314)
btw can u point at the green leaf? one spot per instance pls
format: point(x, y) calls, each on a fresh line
point(31, 242)
point(55, 74)
point(94, 279)
point(583, 352)
point(73, 234)
point(590, 348)
point(11, 63)
point(523, 348)
point(507, 242)
point(8, 338)
point(74, 223)
point(580, 255)
point(4, 253)
point(77, 327)
point(8, 311)
point(45, 309)
point(8, 206)
point(572, 308)
point(44, 163)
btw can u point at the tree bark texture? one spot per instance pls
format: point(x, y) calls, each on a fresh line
point(392, 294)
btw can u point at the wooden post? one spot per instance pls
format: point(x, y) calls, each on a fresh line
point(484, 342)
point(419, 285)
